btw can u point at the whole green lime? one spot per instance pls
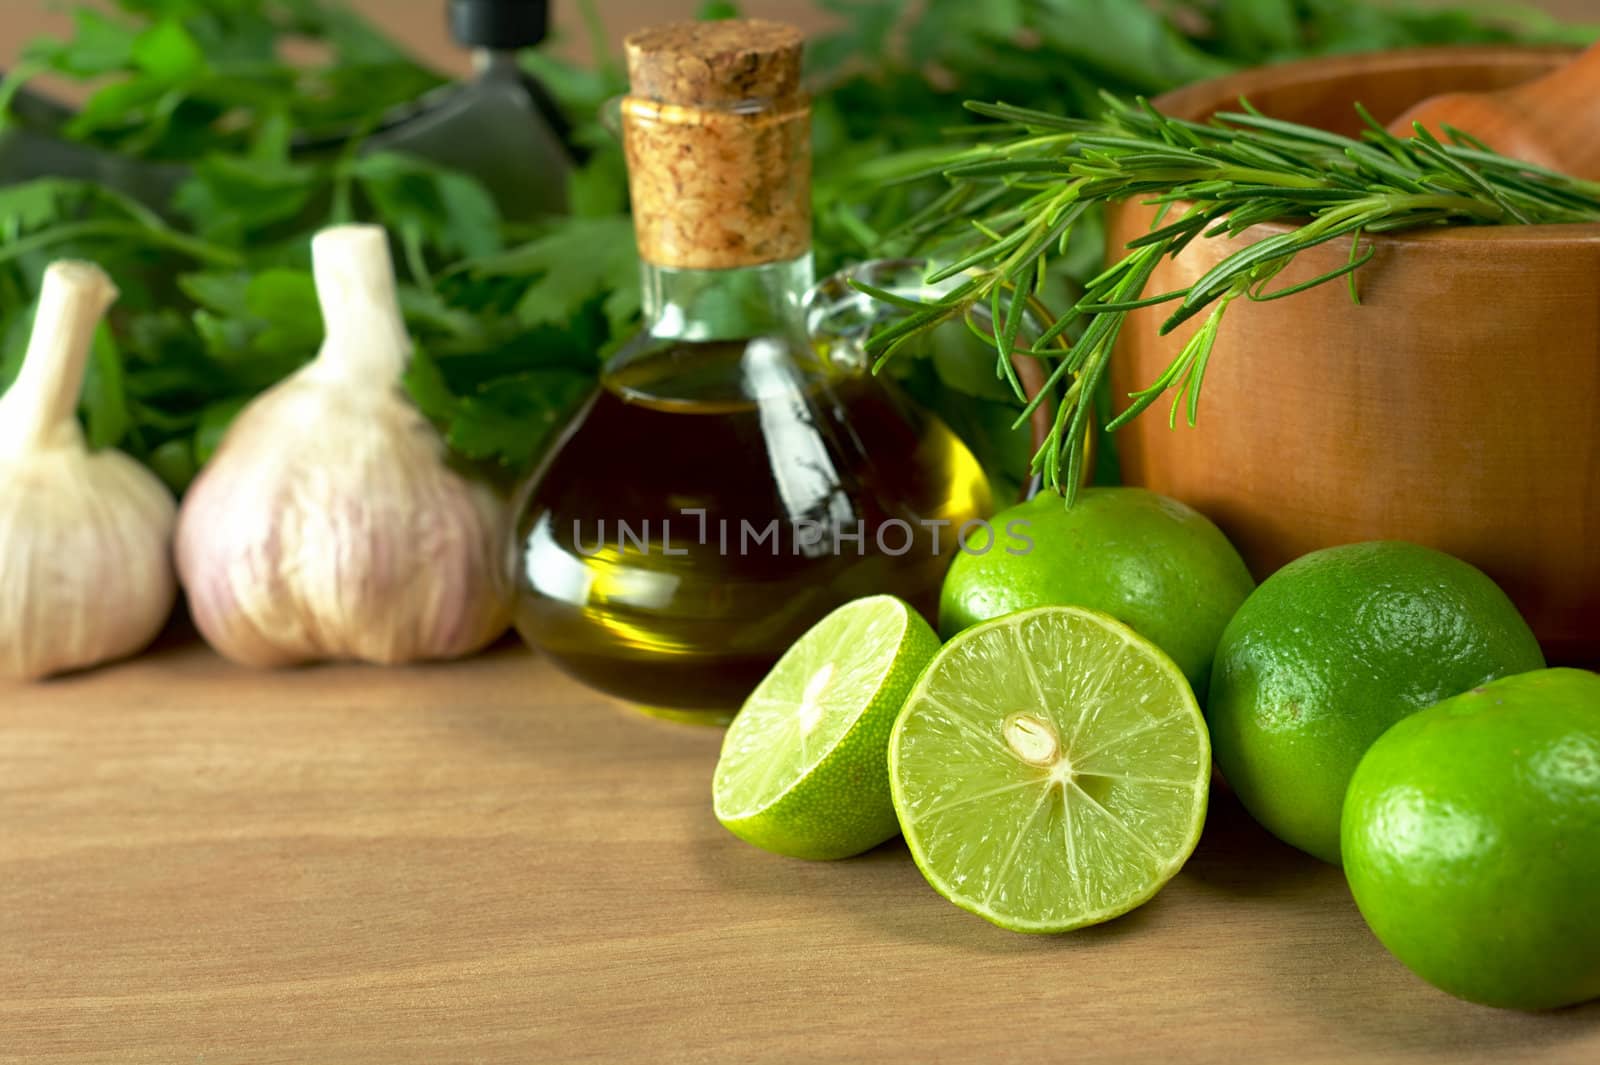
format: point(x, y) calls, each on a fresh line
point(1154, 564)
point(1333, 649)
point(1471, 840)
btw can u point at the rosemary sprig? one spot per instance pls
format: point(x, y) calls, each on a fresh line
point(1012, 204)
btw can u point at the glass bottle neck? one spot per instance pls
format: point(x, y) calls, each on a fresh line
point(748, 301)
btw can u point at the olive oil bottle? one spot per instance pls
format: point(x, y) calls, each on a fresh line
point(727, 484)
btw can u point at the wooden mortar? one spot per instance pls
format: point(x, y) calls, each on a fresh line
point(1458, 406)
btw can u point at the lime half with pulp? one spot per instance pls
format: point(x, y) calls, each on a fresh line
point(1050, 770)
point(804, 768)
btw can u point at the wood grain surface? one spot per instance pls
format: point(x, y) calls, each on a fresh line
point(485, 863)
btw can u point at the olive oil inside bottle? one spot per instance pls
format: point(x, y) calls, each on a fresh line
point(713, 500)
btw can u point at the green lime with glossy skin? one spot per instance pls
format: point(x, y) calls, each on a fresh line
point(1471, 841)
point(1332, 650)
point(1151, 562)
point(1050, 770)
point(804, 766)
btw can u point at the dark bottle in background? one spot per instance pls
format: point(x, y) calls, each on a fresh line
point(499, 125)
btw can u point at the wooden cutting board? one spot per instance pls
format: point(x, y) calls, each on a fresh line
point(484, 862)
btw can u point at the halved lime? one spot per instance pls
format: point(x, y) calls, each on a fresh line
point(1050, 770)
point(804, 769)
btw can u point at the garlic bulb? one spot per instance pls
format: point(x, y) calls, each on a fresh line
point(327, 525)
point(85, 539)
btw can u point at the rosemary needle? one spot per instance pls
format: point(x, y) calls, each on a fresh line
point(1013, 204)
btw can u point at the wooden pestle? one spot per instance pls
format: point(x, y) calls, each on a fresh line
point(1553, 121)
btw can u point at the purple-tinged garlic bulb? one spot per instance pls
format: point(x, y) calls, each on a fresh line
point(328, 526)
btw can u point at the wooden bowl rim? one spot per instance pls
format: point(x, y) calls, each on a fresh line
point(1203, 97)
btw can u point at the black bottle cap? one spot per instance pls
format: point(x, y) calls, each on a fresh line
point(499, 25)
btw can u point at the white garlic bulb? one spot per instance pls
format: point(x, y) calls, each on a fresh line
point(328, 525)
point(85, 538)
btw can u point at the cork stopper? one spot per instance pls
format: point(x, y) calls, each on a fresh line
point(718, 139)
point(715, 64)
